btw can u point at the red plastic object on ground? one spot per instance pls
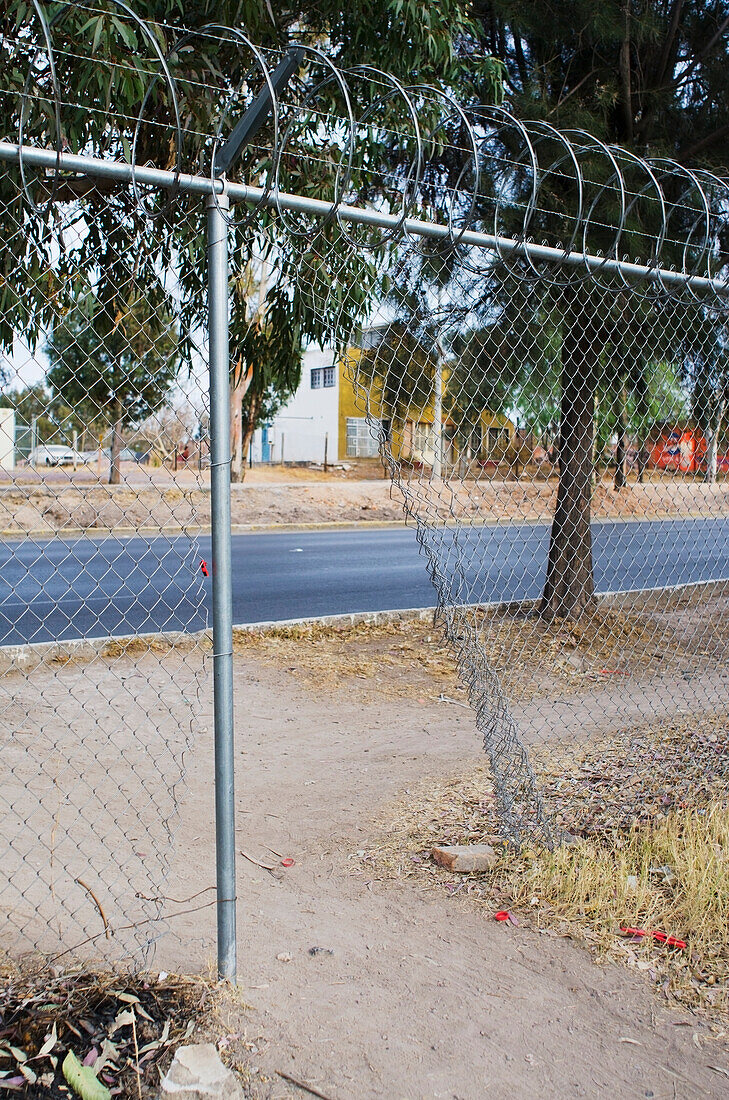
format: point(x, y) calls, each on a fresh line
point(288, 862)
point(503, 914)
point(661, 937)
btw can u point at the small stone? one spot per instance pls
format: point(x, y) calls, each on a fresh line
point(197, 1073)
point(464, 857)
point(284, 957)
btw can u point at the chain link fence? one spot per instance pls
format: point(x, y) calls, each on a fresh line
point(103, 602)
point(542, 361)
point(533, 325)
point(102, 551)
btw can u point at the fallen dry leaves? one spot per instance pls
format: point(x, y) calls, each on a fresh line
point(126, 1027)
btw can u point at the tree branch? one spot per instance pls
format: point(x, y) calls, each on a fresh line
point(701, 56)
point(669, 41)
point(572, 91)
point(624, 66)
point(688, 154)
point(520, 60)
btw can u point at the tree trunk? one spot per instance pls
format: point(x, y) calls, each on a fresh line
point(247, 435)
point(621, 453)
point(712, 453)
point(239, 388)
point(236, 433)
point(569, 585)
point(116, 446)
point(641, 409)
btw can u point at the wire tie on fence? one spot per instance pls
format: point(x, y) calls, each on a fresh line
point(204, 567)
point(176, 901)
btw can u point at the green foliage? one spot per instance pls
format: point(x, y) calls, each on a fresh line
point(115, 354)
point(401, 371)
point(652, 77)
point(107, 59)
point(649, 74)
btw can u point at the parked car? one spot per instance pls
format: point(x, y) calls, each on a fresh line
point(51, 454)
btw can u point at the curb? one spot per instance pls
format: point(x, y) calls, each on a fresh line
point(15, 533)
point(29, 655)
point(202, 529)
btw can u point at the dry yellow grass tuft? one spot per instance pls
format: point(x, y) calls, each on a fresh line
point(670, 877)
point(667, 874)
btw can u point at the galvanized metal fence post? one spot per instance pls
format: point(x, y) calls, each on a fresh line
point(219, 365)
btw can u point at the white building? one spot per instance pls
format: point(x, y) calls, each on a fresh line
point(7, 439)
point(309, 425)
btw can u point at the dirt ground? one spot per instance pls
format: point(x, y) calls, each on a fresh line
point(358, 985)
point(159, 499)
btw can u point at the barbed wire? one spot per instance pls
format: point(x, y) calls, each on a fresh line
point(501, 170)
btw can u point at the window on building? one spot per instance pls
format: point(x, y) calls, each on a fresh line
point(360, 440)
point(322, 376)
point(497, 440)
point(370, 338)
point(423, 438)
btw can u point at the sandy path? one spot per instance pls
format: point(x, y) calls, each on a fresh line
point(423, 996)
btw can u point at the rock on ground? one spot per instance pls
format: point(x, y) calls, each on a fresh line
point(197, 1073)
point(464, 857)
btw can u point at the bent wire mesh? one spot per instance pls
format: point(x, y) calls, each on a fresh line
point(552, 414)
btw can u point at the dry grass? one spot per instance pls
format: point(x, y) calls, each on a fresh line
point(575, 655)
point(405, 659)
point(134, 647)
point(652, 852)
point(671, 876)
point(635, 774)
point(409, 660)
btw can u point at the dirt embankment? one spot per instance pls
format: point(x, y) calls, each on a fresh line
point(54, 507)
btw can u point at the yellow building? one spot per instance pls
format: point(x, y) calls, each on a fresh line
point(413, 439)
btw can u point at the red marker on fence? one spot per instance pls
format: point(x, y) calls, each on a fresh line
point(204, 567)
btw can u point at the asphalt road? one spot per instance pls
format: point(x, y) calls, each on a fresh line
point(93, 587)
